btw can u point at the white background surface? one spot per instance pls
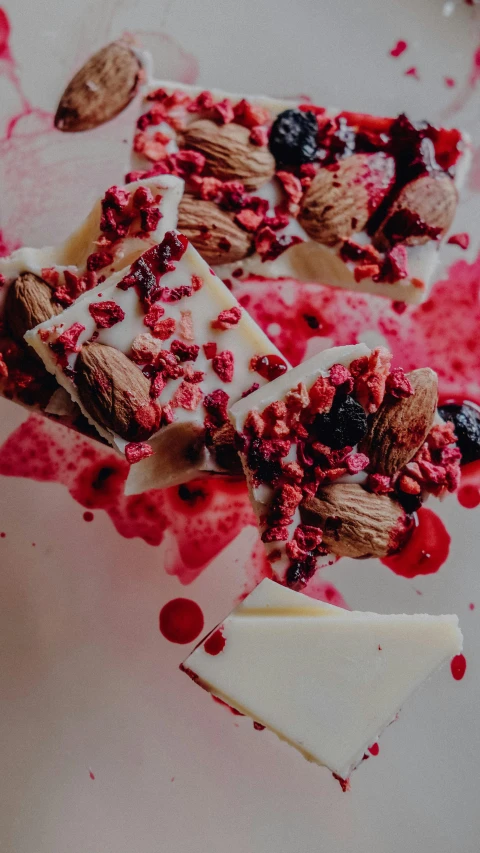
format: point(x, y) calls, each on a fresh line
point(86, 680)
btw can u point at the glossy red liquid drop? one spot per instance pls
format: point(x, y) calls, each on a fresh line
point(399, 48)
point(270, 366)
point(425, 551)
point(458, 666)
point(215, 643)
point(374, 749)
point(88, 516)
point(181, 620)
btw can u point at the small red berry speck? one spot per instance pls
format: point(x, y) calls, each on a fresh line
point(449, 82)
point(412, 72)
point(181, 620)
point(458, 666)
point(2, 535)
point(92, 775)
point(462, 240)
point(215, 643)
point(88, 516)
point(399, 48)
point(374, 749)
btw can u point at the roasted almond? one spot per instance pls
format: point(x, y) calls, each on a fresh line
point(114, 391)
point(356, 523)
point(423, 210)
point(229, 154)
point(341, 198)
point(29, 301)
point(212, 231)
point(399, 427)
point(102, 88)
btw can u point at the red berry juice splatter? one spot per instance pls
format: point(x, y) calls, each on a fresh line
point(399, 48)
point(215, 643)
point(469, 491)
point(458, 666)
point(425, 551)
point(181, 620)
point(374, 749)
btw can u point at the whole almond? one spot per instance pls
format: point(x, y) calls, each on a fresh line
point(341, 198)
point(229, 154)
point(399, 427)
point(212, 231)
point(356, 523)
point(429, 202)
point(102, 88)
point(29, 301)
point(114, 391)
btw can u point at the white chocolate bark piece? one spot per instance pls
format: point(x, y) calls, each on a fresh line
point(207, 351)
point(348, 260)
point(326, 680)
point(298, 380)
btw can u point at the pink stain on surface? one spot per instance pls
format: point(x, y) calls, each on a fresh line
point(449, 82)
point(412, 72)
point(399, 48)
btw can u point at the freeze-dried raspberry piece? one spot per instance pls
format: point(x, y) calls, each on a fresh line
point(99, 260)
point(157, 385)
point(274, 411)
point(287, 498)
point(293, 189)
point(321, 395)
point(147, 270)
point(168, 415)
point(150, 218)
point(394, 267)
point(210, 350)
point(184, 352)
point(106, 314)
point(297, 398)
point(223, 111)
point(187, 162)
point(148, 417)
point(380, 484)
point(116, 198)
point(216, 404)
point(152, 117)
point(409, 485)
point(254, 424)
point(187, 396)
point(164, 329)
point(352, 251)
point(73, 287)
point(269, 246)
point(363, 271)
point(259, 136)
point(67, 343)
point(195, 376)
point(233, 195)
point(441, 435)
point(249, 114)
point(357, 462)
point(398, 385)
point(340, 375)
point(174, 294)
point(370, 375)
point(253, 387)
point(280, 220)
point(202, 103)
point(292, 471)
point(308, 537)
point(223, 365)
point(51, 276)
point(144, 349)
point(227, 319)
point(143, 198)
point(197, 282)
point(135, 451)
point(248, 219)
point(154, 315)
point(154, 148)
point(168, 363)
point(277, 533)
point(185, 326)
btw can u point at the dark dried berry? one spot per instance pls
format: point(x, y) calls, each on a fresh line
point(343, 426)
point(300, 572)
point(466, 420)
point(293, 138)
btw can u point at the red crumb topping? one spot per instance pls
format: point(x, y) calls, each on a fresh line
point(227, 319)
point(164, 329)
point(223, 365)
point(106, 314)
point(135, 451)
point(66, 343)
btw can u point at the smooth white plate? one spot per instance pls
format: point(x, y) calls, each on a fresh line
point(86, 680)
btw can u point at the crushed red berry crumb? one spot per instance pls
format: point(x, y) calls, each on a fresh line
point(106, 314)
point(210, 350)
point(67, 343)
point(184, 352)
point(398, 385)
point(227, 319)
point(223, 365)
point(135, 451)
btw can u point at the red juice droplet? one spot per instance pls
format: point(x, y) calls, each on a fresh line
point(471, 606)
point(181, 620)
point(88, 516)
point(270, 366)
point(399, 48)
point(374, 749)
point(426, 549)
point(91, 774)
point(412, 72)
point(469, 496)
point(215, 643)
point(458, 666)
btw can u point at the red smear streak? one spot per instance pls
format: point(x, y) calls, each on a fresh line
point(344, 783)
point(475, 71)
point(374, 749)
point(258, 727)
point(229, 707)
point(449, 82)
point(92, 775)
point(400, 47)
point(462, 240)
point(181, 620)
point(215, 643)
point(426, 550)
point(458, 666)
point(412, 72)
point(469, 491)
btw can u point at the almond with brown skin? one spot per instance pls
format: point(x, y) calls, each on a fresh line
point(399, 427)
point(229, 154)
point(212, 231)
point(341, 198)
point(423, 210)
point(102, 88)
point(114, 391)
point(29, 301)
point(356, 523)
